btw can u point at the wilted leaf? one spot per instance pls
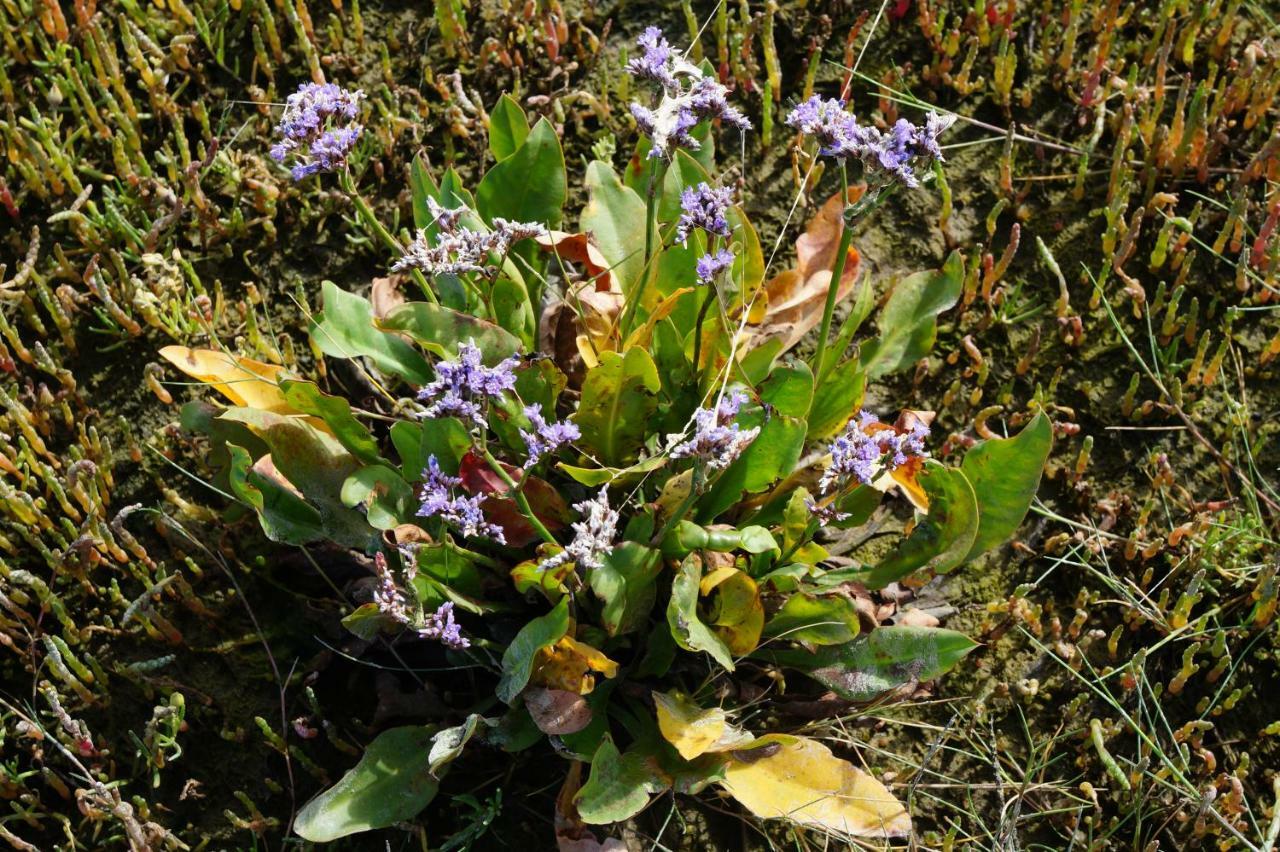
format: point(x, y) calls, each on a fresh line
point(581, 249)
point(618, 398)
point(344, 329)
point(694, 731)
point(557, 711)
point(908, 323)
point(243, 381)
point(796, 298)
point(686, 627)
point(1005, 474)
point(815, 619)
point(392, 782)
point(568, 664)
point(885, 659)
point(802, 781)
point(518, 659)
point(447, 745)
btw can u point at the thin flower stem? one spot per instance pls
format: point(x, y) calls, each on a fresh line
point(697, 333)
point(521, 500)
point(478, 558)
point(365, 212)
point(837, 272)
point(657, 168)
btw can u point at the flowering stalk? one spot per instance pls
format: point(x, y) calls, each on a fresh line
point(837, 272)
point(371, 222)
point(521, 501)
point(657, 166)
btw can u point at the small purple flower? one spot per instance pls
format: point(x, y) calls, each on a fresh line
point(862, 452)
point(461, 250)
point(461, 386)
point(464, 513)
point(704, 206)
point(593, 535)
point(717, 440)
point(387, 595)
point(319, 128)
point(711, 265)
point(657, 62)
point(441, 627)
point(546, 437)
point(826, 120)
point(707, 100)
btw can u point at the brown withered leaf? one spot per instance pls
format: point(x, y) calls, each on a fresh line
point(578, 326)
point(557, 711)
point(794, 299)
point(546, 502)
point(578, 248)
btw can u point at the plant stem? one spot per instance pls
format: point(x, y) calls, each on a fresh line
point(478, 558)
point(656, 167)
point(366, 215)
point(697, 333)
point(521, 500)
point(837, 272)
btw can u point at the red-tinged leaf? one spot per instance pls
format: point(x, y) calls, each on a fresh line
point(544, 499)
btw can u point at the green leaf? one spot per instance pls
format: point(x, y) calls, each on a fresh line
point(611, 216)
point(772, 455)
point(446, 438)
point(942, 540)
point(368, 620)
point(285, 517)
point(1005, 474)
point(447, 745)
point(392, 782)
point(836, 399)
point(336, 413)
point(619, 785)
point(316, 464)
point(758, 363)
point(625, 582)
point(441, 331)
point(595, 476)
point(790, 390)
point(816, 619)
point(528, 186)
point(508, 128)
point(517, 660)
point(682, 615)
point(618, 398)
point(344, 329)
point(858, 314)
point(514, 311)
point(877, 662)
point(908, 323)
point(387, 498)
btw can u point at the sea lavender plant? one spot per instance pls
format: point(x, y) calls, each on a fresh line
point(703, 207)
point(867, 448)
point(459, 250)
point(545, 438)
point(593, 535)
point(440, 626)
point(717, 440)
point(318, 128)
point(711, 265)
point(461, 386)
point(462, 512)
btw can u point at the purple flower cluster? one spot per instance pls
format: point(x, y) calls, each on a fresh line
point(318, 128)
point(593, 535)
point(711, 265)
point(890, 156)
point(461, 250)
point(687, 97)
point(441, 627)
point(868, 448)
point(391, 601)
point(717, 440)
point(461, 386)
point(546, 437)
point(704, 206)
point(464, 513)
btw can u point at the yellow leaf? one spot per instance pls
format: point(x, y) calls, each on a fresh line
point(642, 335)
point(244, 381)
point(801, 780)
point(694, 731)
point(737, 614)
point(568, 665)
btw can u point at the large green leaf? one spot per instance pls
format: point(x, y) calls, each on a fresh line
point(614, 216)
point(335, 411)
point(772, 455)
point(596, 476)
point(392, 782)
point(285, 517)
point(517, 660)
point(1005, 474)
point(618, 397)
point(530, 185)
point(686, 627)
point(316, 464)
point(619, 785)
point(387, 498)
point(816, 619)
point(909, 321)
point(446, 438)
point(508, 128)
point(789, 389)
point(877, 662)
point(836, 399)
point(441, 331)
point(625, 582)
point(942, 540)
point(344, 329)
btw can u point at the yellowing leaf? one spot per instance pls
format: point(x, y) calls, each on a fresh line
point(244, 381)
point(568, 664)
point(694, 731)
point(801, 780)
point(737, 615)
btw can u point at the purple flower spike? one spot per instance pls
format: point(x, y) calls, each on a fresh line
point(867, 449)
point(717, 440)
point(319, 128)
point(546, 437)
point(441, 627)
point(704, 206)
point(464, 513)
point(461, 386)
point(711, 265)
point(593, 535)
